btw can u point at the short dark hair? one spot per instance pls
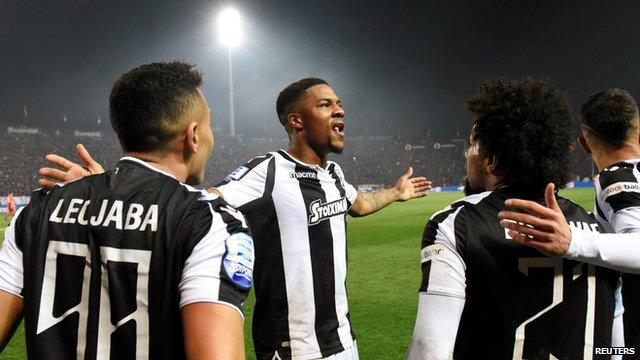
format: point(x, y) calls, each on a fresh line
point(610, 115)
point(147, 103)
point(527, 125)
point(291, 94)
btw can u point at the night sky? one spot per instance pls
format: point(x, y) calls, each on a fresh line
point(400, 67)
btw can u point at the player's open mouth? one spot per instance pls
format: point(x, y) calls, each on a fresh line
point(339, 129)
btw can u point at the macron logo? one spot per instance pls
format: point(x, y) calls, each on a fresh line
point(320, 211)
point(303, 175)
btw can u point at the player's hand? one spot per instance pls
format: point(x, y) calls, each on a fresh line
point(545, 228)
point(69, 171)
point(409, 187)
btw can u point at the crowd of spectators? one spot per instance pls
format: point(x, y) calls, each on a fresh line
point(366, 160)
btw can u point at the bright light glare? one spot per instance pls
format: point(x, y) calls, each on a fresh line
point(229, 29)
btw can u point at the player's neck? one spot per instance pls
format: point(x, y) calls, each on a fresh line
point(606, 157)
point(168, 163)
point(493, 182)
point(306, 154)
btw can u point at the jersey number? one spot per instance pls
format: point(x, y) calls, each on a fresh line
point(140, 259)
point(524, 265)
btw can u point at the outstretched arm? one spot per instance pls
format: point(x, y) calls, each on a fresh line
point(406, 188)
point(66, 170)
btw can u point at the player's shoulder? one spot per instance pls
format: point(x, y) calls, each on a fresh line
point(466, 203)
point(42, 196)
point(333, 164)
point(334, 167)
point(198, 195)
point(474, 200)
point(244, 169)
point(207, 209)
point(574, 212)
point(620, 172)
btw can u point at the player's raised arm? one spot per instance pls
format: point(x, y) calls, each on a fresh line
point(406, 188)
point(212, 331)
point(66, 170)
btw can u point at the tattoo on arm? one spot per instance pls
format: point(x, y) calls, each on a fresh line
point(377, 200)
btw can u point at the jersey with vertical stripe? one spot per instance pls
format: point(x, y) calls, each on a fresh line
point(297, 214)
point(519, 304)
point(617, 208)
point(105, 263)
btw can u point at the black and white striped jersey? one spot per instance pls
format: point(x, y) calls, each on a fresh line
point(297, 215)
point(617, 208)
point(518, 304)
point(104, 264)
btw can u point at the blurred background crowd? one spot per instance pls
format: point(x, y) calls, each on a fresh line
point(366, 161)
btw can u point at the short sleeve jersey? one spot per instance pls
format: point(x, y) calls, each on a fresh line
point(519, 304)
point(104, 264)
point(297, 213)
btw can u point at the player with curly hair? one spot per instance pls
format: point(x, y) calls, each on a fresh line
point(610, 133)
point(484, 296)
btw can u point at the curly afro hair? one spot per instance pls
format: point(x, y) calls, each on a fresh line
point(527, 125)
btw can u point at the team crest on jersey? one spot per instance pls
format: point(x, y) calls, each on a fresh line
point(238, 173)
point(238, 260)
point(319, 211)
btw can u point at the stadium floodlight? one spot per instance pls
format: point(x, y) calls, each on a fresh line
point(229, 28)
point(230, 35)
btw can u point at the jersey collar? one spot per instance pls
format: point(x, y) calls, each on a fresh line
point(290, 157)
point(146, 164)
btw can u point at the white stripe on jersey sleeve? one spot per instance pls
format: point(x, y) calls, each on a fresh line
point(247, 188)
point(447, 273)
point(11, 271)
point(200, 280)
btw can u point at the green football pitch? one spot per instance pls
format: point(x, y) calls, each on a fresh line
point(384, 275)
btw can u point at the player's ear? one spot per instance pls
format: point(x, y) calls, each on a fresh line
point(491, 164)
point(191, 139)
point(583, 143)
point(294, 120)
